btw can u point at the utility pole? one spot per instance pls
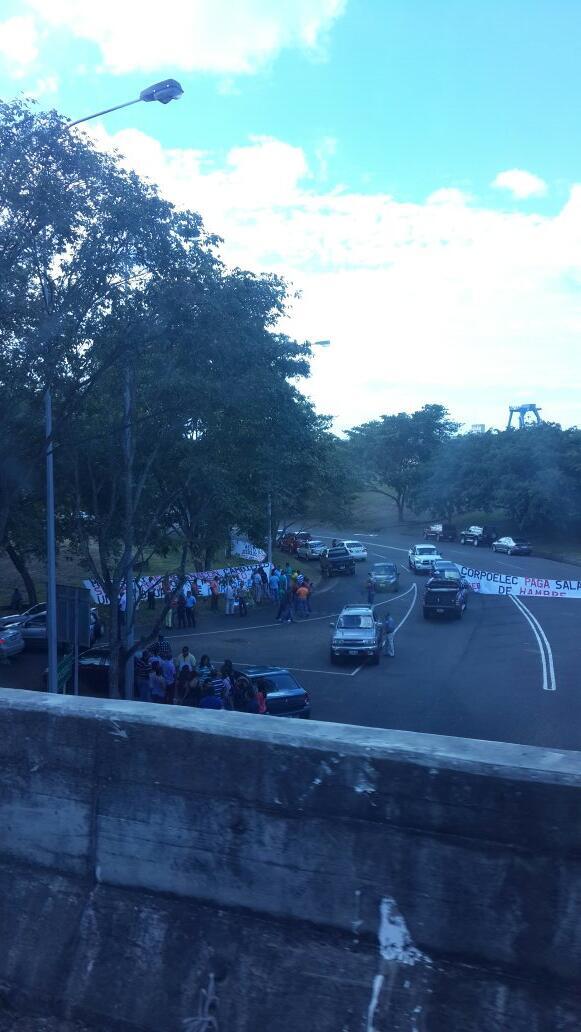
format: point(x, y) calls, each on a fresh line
point(128, 450)
point(269, 522)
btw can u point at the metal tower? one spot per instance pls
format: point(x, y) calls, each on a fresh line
point(522, 411)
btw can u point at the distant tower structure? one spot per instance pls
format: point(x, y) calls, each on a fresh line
point(523, 411)
point(477, 428)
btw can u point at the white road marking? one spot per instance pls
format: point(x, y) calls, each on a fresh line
point(413, 588)
point(548, 668)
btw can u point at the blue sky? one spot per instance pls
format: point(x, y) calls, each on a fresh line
point(411, 166)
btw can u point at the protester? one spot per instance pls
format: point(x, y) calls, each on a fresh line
point(150, 598)
point(209, 699)
point(142, 669)
point(273, 584)
point(215, 594)
point(191, 609)
point(370, 588)
point(168, 619)
point(261, 695)
point(241, 599)
point(162, 647)
point(257, 587)
point(301, 596)
point(188, 688)
point(181, 611)
point(16, 602)
point(389, 632)
point(205, 668)
point(186, 659)
point(229, 596)
point(168, 670)
point(156, 682)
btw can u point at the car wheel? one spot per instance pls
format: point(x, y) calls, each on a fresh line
point(426, 613)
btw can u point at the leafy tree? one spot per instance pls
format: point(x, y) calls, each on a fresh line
point(392, 453)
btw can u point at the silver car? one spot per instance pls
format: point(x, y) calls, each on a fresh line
point(11, 642)
point(40, 607)
point(357, 633)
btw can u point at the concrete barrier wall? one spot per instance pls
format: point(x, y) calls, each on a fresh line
point(309, 876)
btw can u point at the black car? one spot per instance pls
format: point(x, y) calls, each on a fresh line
point(285, 697)
point(445, 596)
point(337, 560)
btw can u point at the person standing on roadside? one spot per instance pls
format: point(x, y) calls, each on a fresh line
point(229, 596)
point(241, 599)
point(389, 633)
point(142, 668)
point(181, 611)
point(186, 659)
point(273, 584)
point(156, 683)
point(370, 588)
point(301, 596)
point(257, 587)
point(215, 594)
point(16, 601)
point(191, 609)
point(168, 670)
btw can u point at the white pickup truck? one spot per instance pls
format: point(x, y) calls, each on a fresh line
point(421, 558)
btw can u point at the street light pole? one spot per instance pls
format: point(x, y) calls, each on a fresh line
point(163, 92)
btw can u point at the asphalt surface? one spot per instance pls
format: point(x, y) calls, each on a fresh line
point(502, 673)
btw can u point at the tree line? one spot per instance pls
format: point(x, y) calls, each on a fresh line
point(177, 408)
point(423, 462)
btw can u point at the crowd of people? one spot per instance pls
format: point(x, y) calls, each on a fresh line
point(284, 586)
point(185, 682)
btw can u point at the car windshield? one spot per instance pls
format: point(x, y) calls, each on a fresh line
point(425, 550)
point(353, 544)
point(315, 544)
point(352, 620)
point(384, 569)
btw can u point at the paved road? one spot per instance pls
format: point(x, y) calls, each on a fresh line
point(502, 673)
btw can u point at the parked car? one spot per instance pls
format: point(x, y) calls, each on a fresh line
point(357, 633)
point(34, 628)
point(512, 546)
point(336, 560)
point(40, 607)
point(440, 532)
point(310, 550)
point(421, 558)
point(445, 596)
point(478, 536)
point(11, 642)
point(356, 549)
point(385, 576)
point(285, 697)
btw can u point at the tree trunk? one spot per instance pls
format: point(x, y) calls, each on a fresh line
point(19, 563)
point(400, 509)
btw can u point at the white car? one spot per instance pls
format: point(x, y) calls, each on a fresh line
point(310, 549)
point(421, 558)
point(355, 549)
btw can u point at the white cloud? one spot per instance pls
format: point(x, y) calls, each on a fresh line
point(44, 87)
point(19, 44)
point(224, 36)
point(520, 184)
point(440, 301)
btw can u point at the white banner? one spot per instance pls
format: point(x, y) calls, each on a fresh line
point(506, 584)
point(199, 583)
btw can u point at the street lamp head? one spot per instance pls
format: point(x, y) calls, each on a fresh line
point(164, 91)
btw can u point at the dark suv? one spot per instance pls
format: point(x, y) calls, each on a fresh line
point(445, 596)
point(478, 536)
point(440, 532)
point(337, 560)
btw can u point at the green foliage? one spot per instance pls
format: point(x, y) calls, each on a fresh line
point(391, 454)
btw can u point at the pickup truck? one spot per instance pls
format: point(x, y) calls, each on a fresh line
point(478, 536)
point(445, 597)
point(337, 560)
point(440, 532)
point(358, 633)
